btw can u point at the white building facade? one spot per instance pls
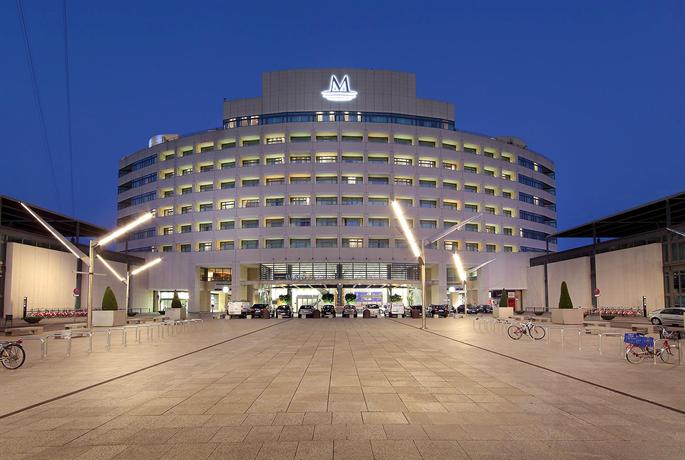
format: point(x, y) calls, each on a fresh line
point(292, 194)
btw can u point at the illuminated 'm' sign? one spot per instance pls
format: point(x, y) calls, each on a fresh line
point(339, 90)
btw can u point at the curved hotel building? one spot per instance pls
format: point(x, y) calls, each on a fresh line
point(292, 195)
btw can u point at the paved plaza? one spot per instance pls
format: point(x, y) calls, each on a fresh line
point(342, 388)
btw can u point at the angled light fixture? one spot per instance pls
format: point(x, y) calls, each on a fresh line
point(144, 267)
point(125, 229)
point(65, 242)
point(409, 236)
point(110, 268)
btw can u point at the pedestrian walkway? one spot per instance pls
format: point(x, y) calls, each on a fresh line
point(334, 388)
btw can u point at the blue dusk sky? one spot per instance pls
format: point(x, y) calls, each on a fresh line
point(597, 86)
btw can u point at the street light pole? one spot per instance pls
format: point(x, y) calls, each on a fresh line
point(422, 269)
point(91, 273)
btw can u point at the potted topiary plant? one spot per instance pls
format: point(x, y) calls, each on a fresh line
point(327, 297)
point(503, 310)
point(350, 297)
point(176, 312)
point(566, 314)
point(109, 315)
point(284, 299)
point(396, 306)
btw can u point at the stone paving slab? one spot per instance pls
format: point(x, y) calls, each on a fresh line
point(283, 393)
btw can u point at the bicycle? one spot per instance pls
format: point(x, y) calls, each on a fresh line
point(636, 353)
point(12, 354)
point(517, 331)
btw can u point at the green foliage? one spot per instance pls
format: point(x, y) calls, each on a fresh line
point(176, 302)
point(109, 301)
point(284, 299)
point(327, 297)
point(504, 299)
point(565, 297)
point(350, 297)
point(395, 298)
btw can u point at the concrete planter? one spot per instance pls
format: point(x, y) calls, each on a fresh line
point(502, 312)
point(109, 318)
point(175, 314)
point(567, 315)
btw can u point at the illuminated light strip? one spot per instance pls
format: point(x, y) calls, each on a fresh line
point(125, 229)
point(110, 268)
point(54, 233)
point(405, 228)
point(146, 266)
point(459, 266)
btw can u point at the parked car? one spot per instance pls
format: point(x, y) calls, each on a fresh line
point(328, 309)
point(440, 310)
point(470, 310)
point(418, 309)
point(260, 310)
point(284, 310)
point(374, 310)
point(485, 308)
point(668, 316)
point(305, 311)
point(349, 311)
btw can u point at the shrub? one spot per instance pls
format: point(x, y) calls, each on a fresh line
point(565, 297)
point(350, 297)
point(284, 298)
point(327, 297)
point(109, 301)
point(176, 302)
point(395, 298)
point(504, 299)
point(33, 319)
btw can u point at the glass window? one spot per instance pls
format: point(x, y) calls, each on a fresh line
point(300, 243)
point(274, 244)
point(249, 244)
point(379, 243)
point(326, 243)
point(226, 245)
point(352, 243)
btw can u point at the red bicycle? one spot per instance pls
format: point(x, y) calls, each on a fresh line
point(636, 353)
point(12, 354)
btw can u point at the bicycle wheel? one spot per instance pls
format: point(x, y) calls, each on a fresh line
point(635, 355)
point(12, 356)
point(537, 332)
point(666, 355)
point(515, 332)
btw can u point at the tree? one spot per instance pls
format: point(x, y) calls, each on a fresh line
point(109, 300)
point(565, 297)
point(395, 298)
point(327, 297)
point(176, 302)
point(504, 299)
point(350, 297)
point(284, 299)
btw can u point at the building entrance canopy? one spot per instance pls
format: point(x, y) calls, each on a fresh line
point(335, 272)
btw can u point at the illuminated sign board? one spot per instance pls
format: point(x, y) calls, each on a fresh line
point(339, 90)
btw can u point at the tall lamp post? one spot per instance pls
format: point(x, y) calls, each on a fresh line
point(419, 249)
point(463, 274)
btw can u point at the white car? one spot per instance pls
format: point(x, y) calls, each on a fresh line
point(668, 316)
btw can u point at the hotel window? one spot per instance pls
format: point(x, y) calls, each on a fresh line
point(450, 166)
point(250, 203)
point(379, 243)
point(471, 207)
point(403, 161)
point(426, 143)
point(506, 176)
point(186, 209)
point(249, 244)
point(451, 245)
point(250, 183)
point(378, 180)
point(185, 248)
point(352, 243)
point(300, 222)
point(250, 162)
point(428, 204)
point(490, 248)
point(186, 190)
point(449, 145)
point(450, 205)
point(168, 175)
point(299, 200)
point(489, 172)
point(471, 227)
point(489, 154)
point(275, 181)
point(226, 225)
point(326, 158)
point(326, 138)
point(205, 227)
point(378, 222)
point(248, 142)
point(352, 138)
point(185, 153)
point(352, 200)
point(274, 244)
point(326, 179)
point(205, 168)
point(275, 222)
point(472, 247)
point(427, 163)
point(326, 221)
point(352, 159)
point(471, 169)
point(299, 243)
point(249, 223)
point(490, 210)
point(167, 249)
point(187, 228)
point(326, 243)
point(428, 223)
point(403, 141)
point(167, 230)
point(405, 202)
point(299, 159)
point(274, 201)
point(300, 179)
point(326, 200)
point(425, 183)
point(506, 158)
point(404, 181)
point(401, 244)
point(275, 140)
point(378, 139)
point(206, 207)
point(275, 161)
point(352, 180)
point(204, 246)
point(167, 193)
point(450, 185)
point(227, 204)
point(168, 212)
point(228, 145)
point(508, 212)
point(301, 138)
point(377, 159)
point(228, 165)
point(169, 156)
point(449, 223)
point(206, 187)
point(377, 201)
point(508, 231)
point(471, 188)
point(469, 149)
point(226, 245)
point(352, 221)
point(489, 191)
point(508, 249)
point(507, 195)
point(322, 117)
point(228, 185)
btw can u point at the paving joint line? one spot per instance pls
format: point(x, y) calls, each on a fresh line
point(578, 379)
point(136, 371)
